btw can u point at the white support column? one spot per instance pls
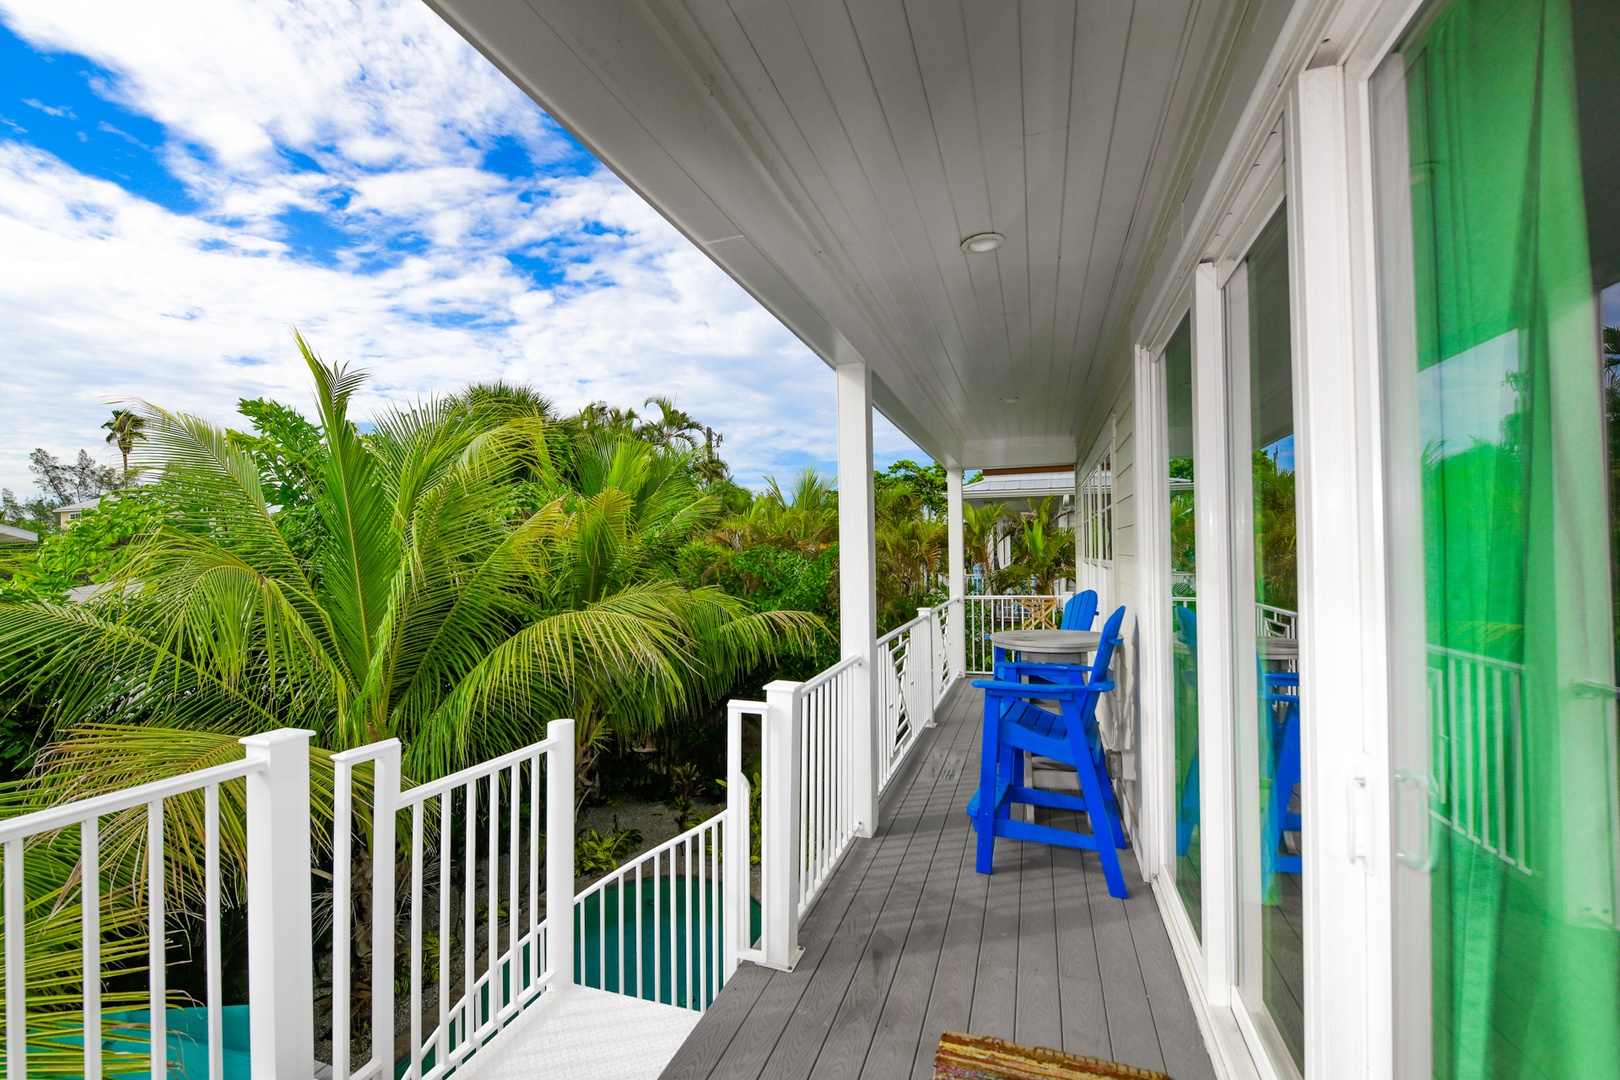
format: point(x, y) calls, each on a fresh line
point(1349, 1010)
point(1154, 671)
point(780, 828)
point(956, 617)
point(857, 579)
point(280, 938)
point(560, 855)
point(1078, 524)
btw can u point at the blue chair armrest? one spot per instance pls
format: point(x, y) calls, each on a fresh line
point(1042, 691)
point(1033, 691)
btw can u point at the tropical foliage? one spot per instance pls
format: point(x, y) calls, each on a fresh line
point(456, 577)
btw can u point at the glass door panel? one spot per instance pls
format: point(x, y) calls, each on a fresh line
point(1267, 740)
point(1184, 619)
point(1496, 128)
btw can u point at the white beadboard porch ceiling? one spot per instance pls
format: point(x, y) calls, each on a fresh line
point(831, 155)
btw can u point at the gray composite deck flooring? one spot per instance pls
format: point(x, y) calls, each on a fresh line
point(908, 941)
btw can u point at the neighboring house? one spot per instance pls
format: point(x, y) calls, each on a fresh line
point(67, 515)
point(1022, 489)
point(10, 534)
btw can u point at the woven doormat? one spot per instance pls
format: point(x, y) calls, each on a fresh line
point(978, 1057)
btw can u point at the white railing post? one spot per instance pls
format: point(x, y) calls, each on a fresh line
point(280, 937)
point(921, 664)
point(780, 826)
point(735, 864)
point(559, 854)
point(385, 774)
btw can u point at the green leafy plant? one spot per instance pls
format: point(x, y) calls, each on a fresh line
point(685, 784)
point(595, 853)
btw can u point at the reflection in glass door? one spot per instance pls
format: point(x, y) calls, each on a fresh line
point(1269, 857)
point(1498, 138)
point(1184, 620)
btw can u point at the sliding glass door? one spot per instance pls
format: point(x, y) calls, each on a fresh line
point(1183, 614)
point(1497, 135)
point(1267, 718)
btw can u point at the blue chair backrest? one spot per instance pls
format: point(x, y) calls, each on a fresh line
point(1187, 627)
point(1105, 648)
point(1081, 611)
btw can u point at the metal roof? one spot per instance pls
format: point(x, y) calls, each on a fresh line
point(1024, 485)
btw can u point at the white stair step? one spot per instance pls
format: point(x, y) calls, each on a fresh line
point(586, 1034)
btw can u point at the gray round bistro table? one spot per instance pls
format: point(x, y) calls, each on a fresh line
point(1048, 646)
point(1278, 653)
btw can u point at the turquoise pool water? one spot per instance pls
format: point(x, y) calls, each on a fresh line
point(659, 926)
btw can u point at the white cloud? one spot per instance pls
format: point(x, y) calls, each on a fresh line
point(106, 295)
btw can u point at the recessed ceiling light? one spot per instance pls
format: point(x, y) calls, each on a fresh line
point(983, 243)
point(1009, 400)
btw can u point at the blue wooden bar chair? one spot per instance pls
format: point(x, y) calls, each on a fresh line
point(1187, 808)
point(1014, 726)
point(1281, 695)
point(1080, 611)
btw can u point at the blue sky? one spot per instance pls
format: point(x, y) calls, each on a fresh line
point(182, 182)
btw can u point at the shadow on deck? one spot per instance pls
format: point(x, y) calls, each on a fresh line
point(908, 941)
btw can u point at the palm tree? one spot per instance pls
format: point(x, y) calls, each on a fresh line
point(461, 590)
point(911, 550)
point(981, 533)
point(672, 427)
point(1043, 552)
point(803, 518)
point(460, 594)
point(125, 429)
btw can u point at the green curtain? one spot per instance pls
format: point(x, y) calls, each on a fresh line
point(1526, 954)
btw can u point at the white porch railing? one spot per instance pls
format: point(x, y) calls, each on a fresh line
point(940, 619)
point(1476, 709)
point(470, 848)
point(907, 686)
point(1274, 621)
point(812, 739)
point(502, 974)
point(275, 769)
point(660, 931)
point(824, 711)
point(482, 856)
point(985, 615)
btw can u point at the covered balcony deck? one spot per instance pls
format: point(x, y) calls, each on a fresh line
point(907, 941)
